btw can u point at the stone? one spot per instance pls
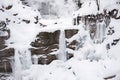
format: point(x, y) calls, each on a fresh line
point(70, 32)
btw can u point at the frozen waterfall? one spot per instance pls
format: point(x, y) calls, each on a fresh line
point(62, 46)
point(22, 61)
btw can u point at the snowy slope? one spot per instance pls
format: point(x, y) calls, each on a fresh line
point(91, 62)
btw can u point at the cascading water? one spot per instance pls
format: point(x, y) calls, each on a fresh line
point(62, 46)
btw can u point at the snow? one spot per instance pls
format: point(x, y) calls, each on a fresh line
point(90, 62)
point(48, 8)
point(74, 69)
point(88, 7)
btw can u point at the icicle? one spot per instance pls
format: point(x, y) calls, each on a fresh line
point(100, 32)
point(62, 47)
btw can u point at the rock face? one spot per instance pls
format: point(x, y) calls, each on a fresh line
point(44, 44)
point(48, 42)
point(5, 54)
point(45, 39)
point(70, 32)
point(5, 66)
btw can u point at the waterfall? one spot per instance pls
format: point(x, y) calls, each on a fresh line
point(25, 58)
point(17, 66)
point(62, 46)
point(22, 61)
